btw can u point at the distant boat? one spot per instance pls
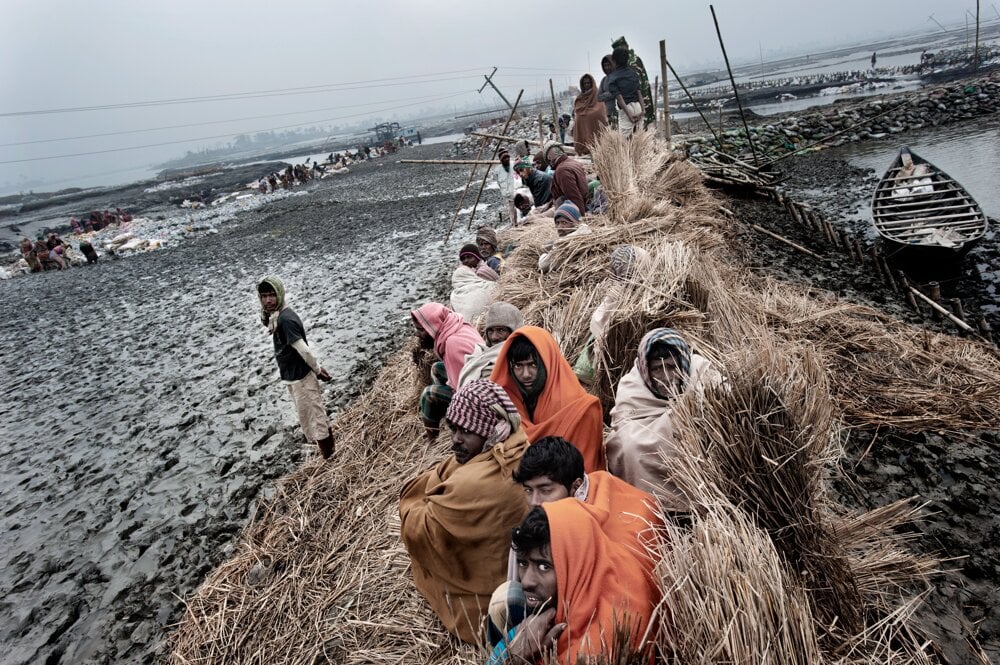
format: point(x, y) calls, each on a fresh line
point(919, 209)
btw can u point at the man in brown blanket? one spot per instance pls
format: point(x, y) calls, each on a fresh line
point(455, 518)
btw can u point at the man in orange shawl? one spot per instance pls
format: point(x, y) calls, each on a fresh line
point(589, 116)
point(581, 587)
point(455, 518)
point(547, 394)
point(552, 469)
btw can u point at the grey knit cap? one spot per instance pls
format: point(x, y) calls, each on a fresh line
point(503, 315)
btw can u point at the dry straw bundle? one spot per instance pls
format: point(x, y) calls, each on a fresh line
point(771, 570)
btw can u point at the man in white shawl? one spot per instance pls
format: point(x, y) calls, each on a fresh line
point(473, 284)
point(502, 319)
point(642, 420)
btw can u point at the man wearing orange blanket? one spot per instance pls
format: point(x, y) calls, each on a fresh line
point(582, 588)
point(547, 394)
point(455, 518)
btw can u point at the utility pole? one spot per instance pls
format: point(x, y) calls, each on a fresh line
point(931, 18)
point(761, 50)
point(489, 82)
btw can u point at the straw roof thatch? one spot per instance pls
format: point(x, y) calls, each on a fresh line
point(770, 568)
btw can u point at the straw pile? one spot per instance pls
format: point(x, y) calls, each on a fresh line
point(769, 571)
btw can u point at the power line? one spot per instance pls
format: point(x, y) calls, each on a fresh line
point(329, 87)
point(219, 136)
point(219, 122)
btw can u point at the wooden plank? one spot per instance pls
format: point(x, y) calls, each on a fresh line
point(912, 219)
point(935, 218)
point(892, 210)
point(948, 204)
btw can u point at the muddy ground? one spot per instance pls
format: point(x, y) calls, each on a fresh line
point(142, 411)
point(953, 472)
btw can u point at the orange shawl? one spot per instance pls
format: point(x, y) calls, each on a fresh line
point(455, 521)
point(632, 520)
point(599, 582)
point(589, 116)
point(564, 408)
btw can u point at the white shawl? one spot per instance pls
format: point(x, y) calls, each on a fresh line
point(642, 432)
point(470, 294)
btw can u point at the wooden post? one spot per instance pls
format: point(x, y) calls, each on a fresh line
point(984, 328)
point(666, 97)
point(845, 241)
point(935, 295)
point(908, 291)
point(873, 253)
point(486, 175)
point(956, 308)
point(555, 109)
point(888, 273)
point(541, 131)
point(736, 92)
point(858, 254)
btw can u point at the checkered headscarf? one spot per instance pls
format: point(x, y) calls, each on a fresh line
point(626, 261)
point(484, 408)
point(670, 338)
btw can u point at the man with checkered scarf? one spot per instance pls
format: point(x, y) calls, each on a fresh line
point(455, 518)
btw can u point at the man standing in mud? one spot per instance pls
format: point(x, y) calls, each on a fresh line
point(297, 364)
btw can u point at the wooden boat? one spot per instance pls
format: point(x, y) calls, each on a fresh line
point(920, 209)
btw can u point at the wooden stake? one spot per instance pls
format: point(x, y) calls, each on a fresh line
point(541, 131)
point(461, 201)
point(935, 290)
point(956, 308)
point(845, 241)
point(888, 274)
point(940, 310)
point(858, 254)
point(908, 291)
point(984, 328)
point(482, 186)
point(873, 253)
point(786, 241)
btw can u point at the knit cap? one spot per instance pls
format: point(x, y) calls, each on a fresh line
point(488, 234)
point(503, 315)
point(568, 211)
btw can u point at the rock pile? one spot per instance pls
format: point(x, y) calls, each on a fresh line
point(868, 120)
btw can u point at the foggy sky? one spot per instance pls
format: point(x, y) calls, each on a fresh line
point(67, 53)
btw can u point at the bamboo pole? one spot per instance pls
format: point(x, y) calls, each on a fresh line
point(718, 141)
point(503, 137)
point(482, 186)
point(445, 161)
point(736, 92)
point(541, 135)
point(975, 57)
point(787, 241)
point(461, 201)
point(935, 289)
point(956, 308)
point(666, 97)
point(941, 310)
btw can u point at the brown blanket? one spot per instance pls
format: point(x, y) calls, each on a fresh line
point(455, 521)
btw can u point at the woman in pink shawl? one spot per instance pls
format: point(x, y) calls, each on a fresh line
point(452, 339)
point(590, 115)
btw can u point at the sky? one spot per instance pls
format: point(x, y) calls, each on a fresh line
point(325, 62)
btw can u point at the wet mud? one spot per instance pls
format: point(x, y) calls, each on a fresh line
point(953, 472)
point(142, 410)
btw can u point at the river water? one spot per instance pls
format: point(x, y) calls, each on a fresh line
point(968, 152)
